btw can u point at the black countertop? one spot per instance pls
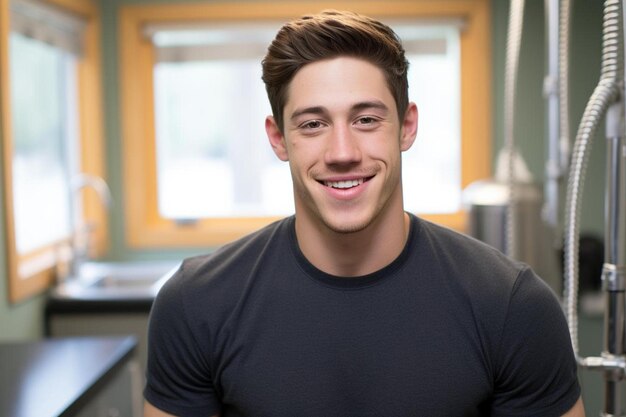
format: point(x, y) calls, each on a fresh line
point(69, 305)
point(51, 377)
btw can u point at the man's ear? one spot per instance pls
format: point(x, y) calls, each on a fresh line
point(276, 138)
point(409, 127)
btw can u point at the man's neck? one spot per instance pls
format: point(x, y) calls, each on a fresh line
point(354, 254)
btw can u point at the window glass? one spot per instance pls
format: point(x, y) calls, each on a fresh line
point(44, 140)
point(432, 167)
point(213, 158)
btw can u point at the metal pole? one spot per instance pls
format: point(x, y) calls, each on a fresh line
point(607, 98)
point(551, 93)
point(614, 270)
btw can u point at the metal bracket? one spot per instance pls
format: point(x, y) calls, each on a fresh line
point(605, 363)
point(613, 277)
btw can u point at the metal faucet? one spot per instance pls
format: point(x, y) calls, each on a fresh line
point(80, 237)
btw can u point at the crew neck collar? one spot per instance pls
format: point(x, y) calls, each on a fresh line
point(356, 282)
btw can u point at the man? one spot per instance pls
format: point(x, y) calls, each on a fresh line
point(353, 307)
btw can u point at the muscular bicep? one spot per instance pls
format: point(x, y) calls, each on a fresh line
point(178, 373)
point(536, 369)
point(151, 411)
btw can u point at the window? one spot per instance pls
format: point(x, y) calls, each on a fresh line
point(49, 97)
point(206, 173)
point(43, 81)
point(433, 51)
point(212, 156)
point(210, 106)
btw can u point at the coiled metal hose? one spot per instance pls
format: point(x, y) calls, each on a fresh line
point(605, 93)
point(514, 40)
point(564, 119)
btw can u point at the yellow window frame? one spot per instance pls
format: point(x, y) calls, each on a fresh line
point(145, 228)
point(31, 273)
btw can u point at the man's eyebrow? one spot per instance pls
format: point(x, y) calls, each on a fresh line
point(374, 104)
point(319, 110)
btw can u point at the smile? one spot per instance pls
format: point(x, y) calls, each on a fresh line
point(346, 183)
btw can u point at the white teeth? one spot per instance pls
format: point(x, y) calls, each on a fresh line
point(343, 184)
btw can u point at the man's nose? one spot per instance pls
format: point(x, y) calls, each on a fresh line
point(342, 147)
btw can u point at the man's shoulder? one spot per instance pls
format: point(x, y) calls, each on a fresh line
point(485, 275)
point(457, 249)
point(221, 274)
point(242, 252)
point(497, 291)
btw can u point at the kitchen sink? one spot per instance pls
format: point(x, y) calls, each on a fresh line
point(116, 280)
point(112, 282)
point(106, 299)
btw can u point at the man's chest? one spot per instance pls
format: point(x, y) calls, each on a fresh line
point(370, 364)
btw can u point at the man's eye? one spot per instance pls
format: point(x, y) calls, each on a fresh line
point(313, 124)
point(366, 121)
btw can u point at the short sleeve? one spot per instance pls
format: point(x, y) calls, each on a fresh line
point(178, 375)
point(536, 367)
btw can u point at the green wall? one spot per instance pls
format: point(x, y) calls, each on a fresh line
point(119, 249)
point(530, 122)
point(530, 118)
point(24, 320)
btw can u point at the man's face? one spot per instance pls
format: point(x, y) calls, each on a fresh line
point(343, 141)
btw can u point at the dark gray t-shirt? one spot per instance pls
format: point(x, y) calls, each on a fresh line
point(450, 328)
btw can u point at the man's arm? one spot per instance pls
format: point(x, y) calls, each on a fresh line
point(151, 411)
point(577, 410)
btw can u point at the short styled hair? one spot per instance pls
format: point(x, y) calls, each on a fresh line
point(327, 35)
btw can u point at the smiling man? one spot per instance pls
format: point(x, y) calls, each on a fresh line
point(353, 307)
point(343, 139)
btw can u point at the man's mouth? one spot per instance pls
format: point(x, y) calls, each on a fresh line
point(345, 184)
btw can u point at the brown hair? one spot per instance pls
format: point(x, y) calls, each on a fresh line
point(328, 35)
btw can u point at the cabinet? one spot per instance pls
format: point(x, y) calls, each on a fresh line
point(112, 398)
point(93, 322)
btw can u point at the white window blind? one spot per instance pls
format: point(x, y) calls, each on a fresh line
point(43, 22)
